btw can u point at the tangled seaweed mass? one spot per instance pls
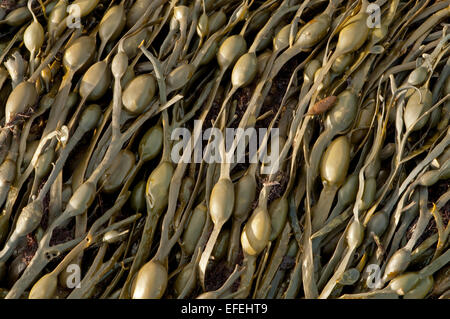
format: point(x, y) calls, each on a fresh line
point(348, 199)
